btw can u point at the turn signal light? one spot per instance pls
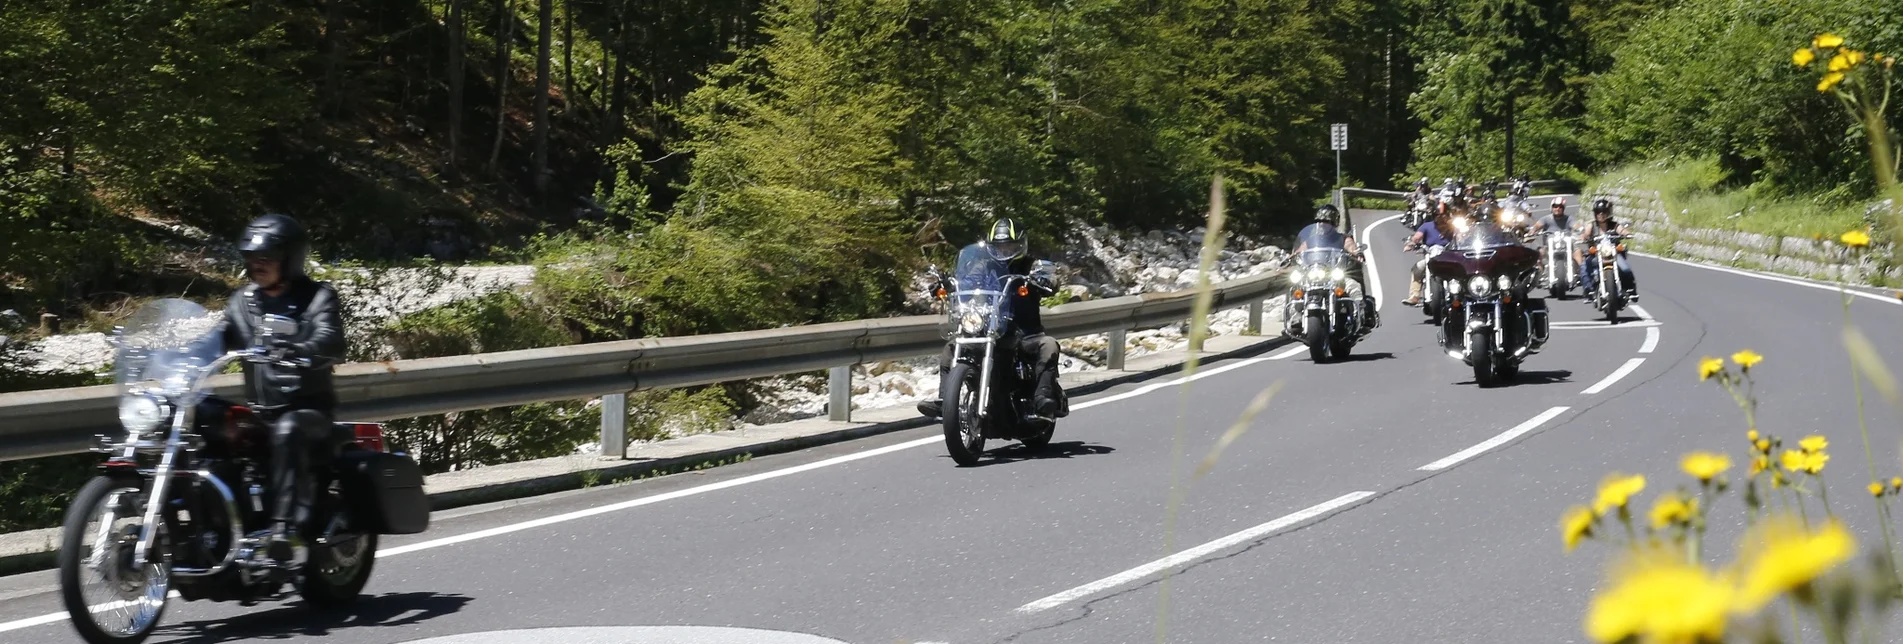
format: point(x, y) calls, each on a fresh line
point(940, 294)
point(1024, 291)
point(1621, 248)
point(1299, 294)
point(1340, 292)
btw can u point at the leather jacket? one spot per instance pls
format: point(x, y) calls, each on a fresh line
point(1027, 316)
point(319, 337)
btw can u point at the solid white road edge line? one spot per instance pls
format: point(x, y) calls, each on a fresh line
point(1601, 324)
point(1374, 276)
point(1651, 340)
point(1774, 278)
point(1192, 554)
point(1621, 372)
point(1294, 350)
point(1496, 441)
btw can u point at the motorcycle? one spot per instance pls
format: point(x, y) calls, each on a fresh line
point(1558, 272)
point(179, 505)
point(988, 388)
point(1609, 294)
point(1320, 313)
point(1492, 324)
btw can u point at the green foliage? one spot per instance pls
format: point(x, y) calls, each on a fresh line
point(1698, 193)
point(1709, 78)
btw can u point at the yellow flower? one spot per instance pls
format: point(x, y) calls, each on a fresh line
point(1814, 443)
point(1759, 463)
point(1576, 524)
point(1673, 508)
point(1855, 57)
point(1709, 367)
point(1751, 435)
point(1876, 489)
point(1763, 445)
point(1747, 358)
point(1802, 57)
point(1616, 490)
point(1814, 461)
point(1780, 554)
point(1830, 80)
point(1855, 239)
point(1841, 61)
point(1792, 460)
point(1705, 465)
point(1826, 40)
point(1657, 596)
point(1897, 482)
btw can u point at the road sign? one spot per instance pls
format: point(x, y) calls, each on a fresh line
point(1338, 136)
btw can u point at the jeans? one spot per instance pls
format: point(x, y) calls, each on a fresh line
point(1589, 274)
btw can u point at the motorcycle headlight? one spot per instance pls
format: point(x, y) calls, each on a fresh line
point(971, 323)
point(140, 414)
point(1506, 283)
point(1479, 285)
point(1453, 287)
point(1337, 274)
point(1318, 273)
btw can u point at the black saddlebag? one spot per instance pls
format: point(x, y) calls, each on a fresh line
point(385, 491)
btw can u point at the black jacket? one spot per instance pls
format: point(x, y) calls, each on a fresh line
point(320, 337)
point(1024, 308)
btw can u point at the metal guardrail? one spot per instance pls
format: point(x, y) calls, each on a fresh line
point(62, 421)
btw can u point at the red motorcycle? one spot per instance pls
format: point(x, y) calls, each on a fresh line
point(1493, 322)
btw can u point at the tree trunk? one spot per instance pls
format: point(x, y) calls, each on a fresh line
point(545, 16)
point(1510, 123)
point(333, 51)
point(456, 39)
point(568, 53)
point(506, 34)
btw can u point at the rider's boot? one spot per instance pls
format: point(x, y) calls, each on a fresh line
point(1413, 294)
point(931, 408)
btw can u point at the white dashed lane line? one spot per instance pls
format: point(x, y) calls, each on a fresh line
point(1496, 441)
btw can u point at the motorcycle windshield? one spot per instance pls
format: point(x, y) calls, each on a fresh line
point(979, 287)
point(165, 346)
point(1321, 236)
point(1482, 235)
point(1322, 257)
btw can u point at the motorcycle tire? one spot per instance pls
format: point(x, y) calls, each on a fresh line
point(964, 439)
point(336, 573)
point(74, 552)
point(1317, 337)
point(1482, 344)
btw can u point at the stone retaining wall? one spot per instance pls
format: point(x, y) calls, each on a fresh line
point(1824, 259)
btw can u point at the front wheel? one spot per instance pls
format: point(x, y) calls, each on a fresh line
point(964, 438)
point(1481, 343)
point(1317, 337)
point(109, 600)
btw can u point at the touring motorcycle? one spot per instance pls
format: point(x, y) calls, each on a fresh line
point(1492, 324)
point(1320, 313)
point(988, 387)
point(179, 506)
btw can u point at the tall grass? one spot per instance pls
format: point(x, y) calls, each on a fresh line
point(1696, 194)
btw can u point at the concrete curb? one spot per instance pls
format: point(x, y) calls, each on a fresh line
point(43, 557)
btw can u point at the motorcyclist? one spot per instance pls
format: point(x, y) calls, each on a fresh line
point(1007, 243)
point(1558, 221)
point(1604, 223)
point(1420, 196)
point(1437, 232)
point(1326, 232)
point(297, 402)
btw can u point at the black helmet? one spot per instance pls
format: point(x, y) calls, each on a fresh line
point(278, 237)
point(1601, 205)
point(1328, 214)
point(1007, 240)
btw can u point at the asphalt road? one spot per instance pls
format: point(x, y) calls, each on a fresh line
point(1319, 524)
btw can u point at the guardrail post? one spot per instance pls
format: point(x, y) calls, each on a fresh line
point(1113, 350)
point(614, 426)
point(839, 389)
point(1255, 317)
